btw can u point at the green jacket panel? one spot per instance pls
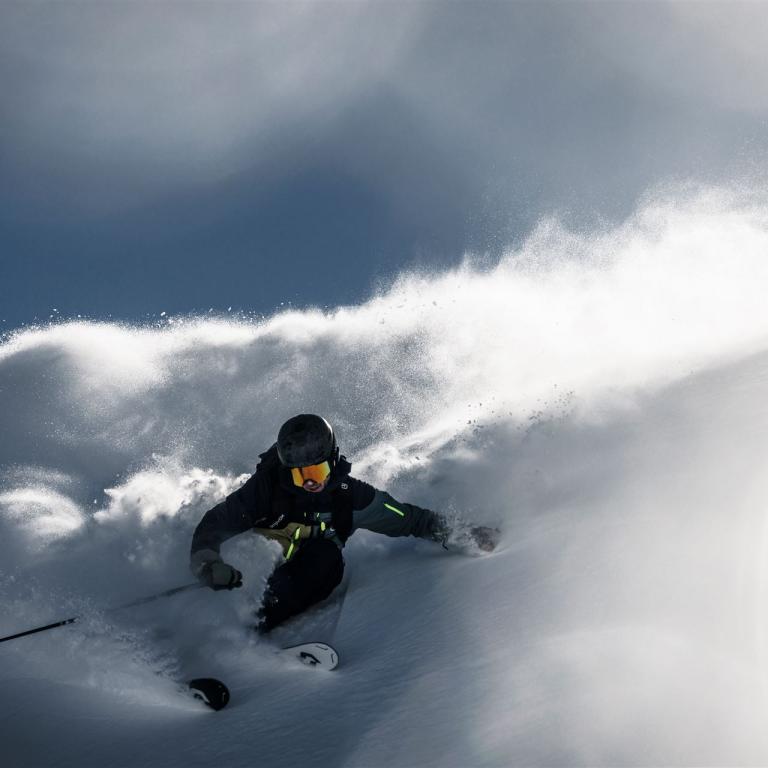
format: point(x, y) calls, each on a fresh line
point(387, 515)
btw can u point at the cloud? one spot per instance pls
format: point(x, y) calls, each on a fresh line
point(190, 87)
point(714, 53)
point(517, 103)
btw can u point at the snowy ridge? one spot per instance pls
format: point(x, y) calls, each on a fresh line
point(601, 396)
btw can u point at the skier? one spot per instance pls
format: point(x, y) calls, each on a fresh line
point(303, 496)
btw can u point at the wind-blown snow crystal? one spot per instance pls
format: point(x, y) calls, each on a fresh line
point(599, 395)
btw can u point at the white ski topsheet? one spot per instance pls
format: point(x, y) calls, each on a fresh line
point(320, 655)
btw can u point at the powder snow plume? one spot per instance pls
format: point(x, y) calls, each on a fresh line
point(598, 395)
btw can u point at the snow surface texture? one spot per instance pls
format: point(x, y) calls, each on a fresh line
point(601, 397)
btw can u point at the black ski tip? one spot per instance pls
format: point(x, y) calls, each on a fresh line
point(210, 690)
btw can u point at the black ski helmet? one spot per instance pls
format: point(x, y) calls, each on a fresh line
point(306, 439)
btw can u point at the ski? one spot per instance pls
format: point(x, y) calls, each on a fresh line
point(211, 691)
point(319, 655)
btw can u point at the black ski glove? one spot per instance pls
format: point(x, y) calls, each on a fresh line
point(485, 538)
point(460, 536)
point(209, 568)
point(220, 575)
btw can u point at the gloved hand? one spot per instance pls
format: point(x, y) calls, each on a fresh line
point(209, 568)
point(485, 538)
point(460, 536)
point(219, 575)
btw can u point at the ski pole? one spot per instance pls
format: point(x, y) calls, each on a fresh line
point(140, 601)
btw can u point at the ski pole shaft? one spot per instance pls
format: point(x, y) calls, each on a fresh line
point(140, 601)
point(158, 596)
point(40, 629)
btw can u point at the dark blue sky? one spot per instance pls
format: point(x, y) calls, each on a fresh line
point(180, 157)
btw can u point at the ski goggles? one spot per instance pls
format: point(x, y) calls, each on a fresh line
point(318, 473)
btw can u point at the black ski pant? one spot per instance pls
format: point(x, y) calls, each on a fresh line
point(307, 578)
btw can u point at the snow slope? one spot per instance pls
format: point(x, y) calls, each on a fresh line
point(600, 396)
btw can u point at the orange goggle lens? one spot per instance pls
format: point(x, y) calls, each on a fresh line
point(317, 472)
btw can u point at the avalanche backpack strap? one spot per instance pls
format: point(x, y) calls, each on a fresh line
point(341, 518)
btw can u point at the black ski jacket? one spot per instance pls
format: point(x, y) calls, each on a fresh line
point(269, 501)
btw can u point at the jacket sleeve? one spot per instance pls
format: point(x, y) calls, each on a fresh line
point(241, 510)
point(385, 514)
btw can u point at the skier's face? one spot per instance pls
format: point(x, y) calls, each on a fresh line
point(313, 486)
